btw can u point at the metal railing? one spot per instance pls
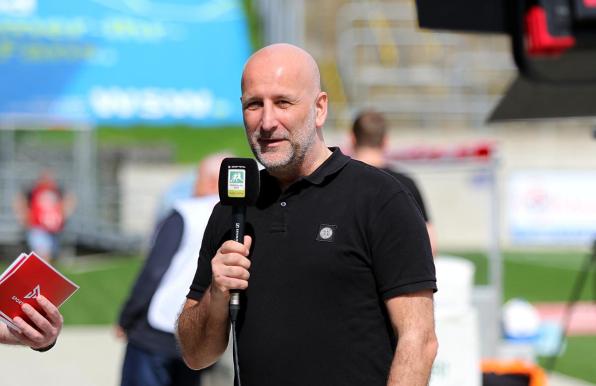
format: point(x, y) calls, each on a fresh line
point(74, 161)
point(283, 20)
point(418, 78)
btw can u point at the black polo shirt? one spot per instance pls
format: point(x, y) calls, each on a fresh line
point(326, 253)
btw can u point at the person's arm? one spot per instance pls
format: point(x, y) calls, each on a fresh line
point(203, 325)
point(43, 331)
point(413, 322)
point(432, 237)
point(166, 242)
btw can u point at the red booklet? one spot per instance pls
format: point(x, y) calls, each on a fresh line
point(26, 278)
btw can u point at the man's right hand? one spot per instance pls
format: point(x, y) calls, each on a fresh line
point(230, 267)
point(203, 325)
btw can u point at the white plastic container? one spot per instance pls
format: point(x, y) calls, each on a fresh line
point(458, 358)
point(455, 280)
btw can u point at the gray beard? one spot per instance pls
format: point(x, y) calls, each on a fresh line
point(294, 161)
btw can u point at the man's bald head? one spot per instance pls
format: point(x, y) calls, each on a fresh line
point(284, 111)
point(284, 59)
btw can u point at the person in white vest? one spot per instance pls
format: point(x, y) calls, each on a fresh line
point(148, 317)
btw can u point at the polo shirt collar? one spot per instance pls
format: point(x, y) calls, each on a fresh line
point(336, 161)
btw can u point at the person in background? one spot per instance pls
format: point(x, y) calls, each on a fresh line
point(40, 332)
point(148, 317)
point(369, 139)
point(336, 267)
point(43, 211)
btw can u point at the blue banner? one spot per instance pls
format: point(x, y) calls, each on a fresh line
point(123, 61)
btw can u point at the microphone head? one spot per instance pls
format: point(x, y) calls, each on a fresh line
point(238, 182)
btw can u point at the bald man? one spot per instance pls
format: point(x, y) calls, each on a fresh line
point(336, 271)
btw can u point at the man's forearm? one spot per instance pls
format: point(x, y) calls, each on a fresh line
point(412, 362)
point(203, 331)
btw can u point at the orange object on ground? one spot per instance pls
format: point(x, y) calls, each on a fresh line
point(536, 375)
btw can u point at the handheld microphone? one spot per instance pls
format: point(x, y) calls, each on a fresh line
point(239, 188)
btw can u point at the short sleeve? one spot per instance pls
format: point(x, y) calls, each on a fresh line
point(400, 248)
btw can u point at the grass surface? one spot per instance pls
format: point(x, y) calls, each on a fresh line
point(578, 359)
point(104, 287)
point(189, 144)
point(534, 276)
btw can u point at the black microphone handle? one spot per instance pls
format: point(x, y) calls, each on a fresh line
point(238, 219)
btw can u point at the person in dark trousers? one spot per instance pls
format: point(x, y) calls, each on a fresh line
point(148, 317)
point(336, 268)
point(369, 139)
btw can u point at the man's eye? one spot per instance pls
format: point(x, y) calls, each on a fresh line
point(283, 104)
point(252, 106)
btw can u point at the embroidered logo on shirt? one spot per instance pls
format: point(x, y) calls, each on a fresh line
point(326, 232)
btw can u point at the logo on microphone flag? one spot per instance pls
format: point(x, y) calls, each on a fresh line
point(236, 183)
point(34, 293)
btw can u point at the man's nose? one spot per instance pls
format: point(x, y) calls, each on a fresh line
point(269, 118)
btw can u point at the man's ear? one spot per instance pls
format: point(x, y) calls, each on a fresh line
point(321, 106)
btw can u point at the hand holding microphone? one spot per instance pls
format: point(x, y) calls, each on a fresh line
point(238, 188)
point(231, 265)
